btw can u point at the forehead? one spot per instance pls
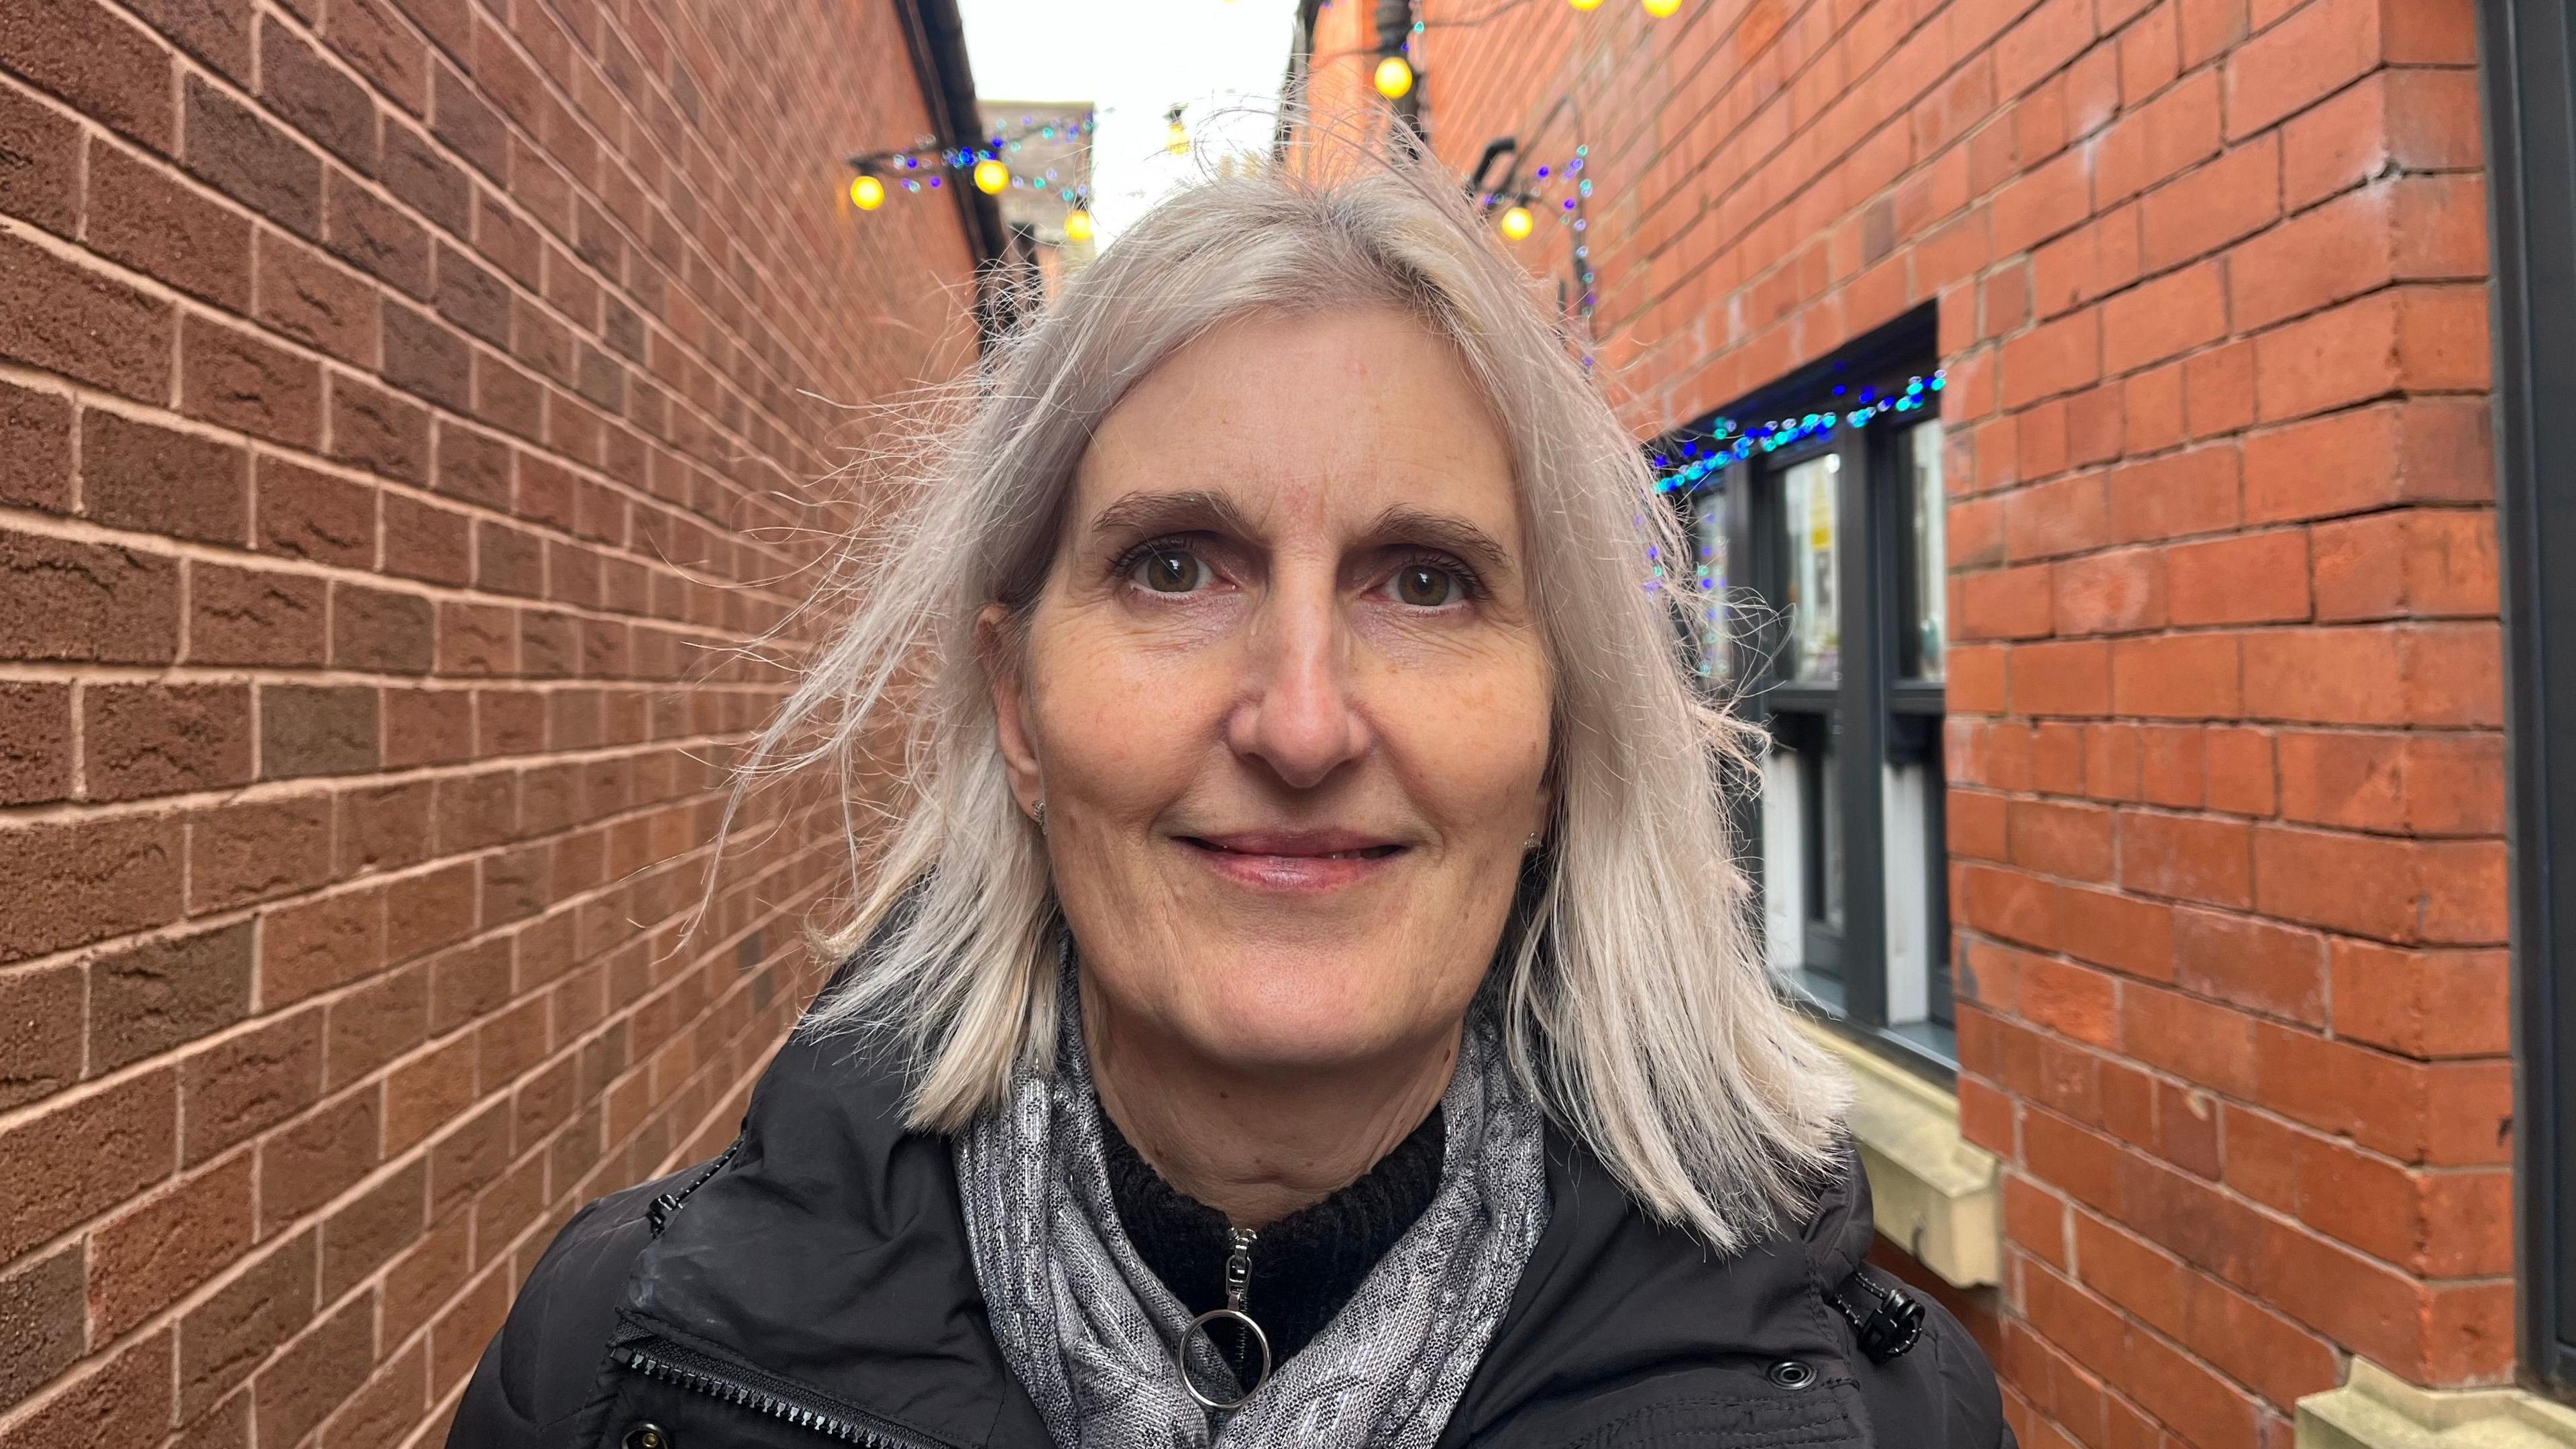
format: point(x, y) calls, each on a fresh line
point(1321, 414)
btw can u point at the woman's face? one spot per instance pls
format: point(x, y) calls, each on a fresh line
point(1283, 698)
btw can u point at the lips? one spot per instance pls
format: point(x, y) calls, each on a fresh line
point(1299, 844)
point(1293, 862)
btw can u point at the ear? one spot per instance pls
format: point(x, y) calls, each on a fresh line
point(996, 654)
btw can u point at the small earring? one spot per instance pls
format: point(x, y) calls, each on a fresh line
point(1534, 842)
point(1037, 813)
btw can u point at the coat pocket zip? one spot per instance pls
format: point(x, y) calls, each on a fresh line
point(761, 1393)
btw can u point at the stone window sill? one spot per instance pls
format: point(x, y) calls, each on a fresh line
point(1937, 1197)
point(2375, 1409)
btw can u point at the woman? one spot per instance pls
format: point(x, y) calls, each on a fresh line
point(1306, 998)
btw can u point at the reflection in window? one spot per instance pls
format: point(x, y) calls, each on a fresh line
point(1826, 829)
point(1807, 518)
point(1927, 612)
point(1708, 539)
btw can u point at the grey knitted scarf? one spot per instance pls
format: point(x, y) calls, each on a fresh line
point(1092, 1334)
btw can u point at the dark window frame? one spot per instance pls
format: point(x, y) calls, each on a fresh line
point(2529, 68)
point(1872, 714)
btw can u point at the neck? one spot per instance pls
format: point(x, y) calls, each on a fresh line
point(1256, 1145)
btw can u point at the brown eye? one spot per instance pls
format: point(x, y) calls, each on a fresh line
point(1424, 586)
point(1170, 571)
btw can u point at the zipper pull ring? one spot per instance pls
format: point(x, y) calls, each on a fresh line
point(1238, 1295)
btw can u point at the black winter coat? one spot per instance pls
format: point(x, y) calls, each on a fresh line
point(812, 1286)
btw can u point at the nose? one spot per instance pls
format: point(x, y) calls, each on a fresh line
point(1297, 715)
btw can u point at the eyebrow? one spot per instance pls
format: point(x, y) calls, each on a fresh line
point(1144, 513)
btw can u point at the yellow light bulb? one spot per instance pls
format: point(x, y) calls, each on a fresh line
point(1661, 8)
point(1587, 6)
point(1077, 225)
point(1394, 77)
point(867, 193)
point(1516, 223)
point(991, 177)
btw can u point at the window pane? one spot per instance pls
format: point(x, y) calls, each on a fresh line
point(1708, 536)
point(1927, 613)
point(1807, 520)
point(1826, 829)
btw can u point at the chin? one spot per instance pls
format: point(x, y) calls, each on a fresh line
point(1283, 1014)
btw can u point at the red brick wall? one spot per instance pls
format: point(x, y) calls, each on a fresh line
point(2227, 864)
point(402, 408)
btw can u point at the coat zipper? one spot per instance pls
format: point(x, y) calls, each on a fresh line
point(702, 1373)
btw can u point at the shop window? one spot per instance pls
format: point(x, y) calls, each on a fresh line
point(1816, 512)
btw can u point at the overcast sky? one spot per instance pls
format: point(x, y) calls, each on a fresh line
point(1136, 59)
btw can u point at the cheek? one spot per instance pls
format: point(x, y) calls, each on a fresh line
point(1469, 735)
point(1118, 728)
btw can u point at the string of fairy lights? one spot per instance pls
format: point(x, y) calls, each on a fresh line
point(928, 166)
point(1694, 456)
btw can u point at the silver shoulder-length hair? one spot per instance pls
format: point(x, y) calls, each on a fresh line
point(1636, 1003)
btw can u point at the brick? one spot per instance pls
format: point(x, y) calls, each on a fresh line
point(2413, 338)
point(139, 476)
point(375, 236)
point(35, 449)
point(317, 730)
point(2176, 495)
point(91, 57)
point(2055, 357)
point(2163, 318)
point(103, 1148)
point(60, 316)
point(243, 853)
point(85, 880)
point(40, 1044)
point(155, 1253)
point(2314, 52)
point(421, 177)
point(381, 631)
point(41, 1322)
point(317, 1159)
point(2414, 120)
point(150, 998)
point(39, 163)
point(217, 32)
point(2213, 205)
point(316, 1372)
point(2165, 137)
point(2274, 969)
point(2041, 204)
point(372, 36)
point(461, 119)
point(247, 1083)
point(316, 98)
point(2255, 578)
point(2441, 1003)
point(123, 1400)
point(152, 739)
point(243, 156)
point(224, 1337)
point(316, 944)
point(473, 297)
point(254, 616)
point(141, 216)
point(2186, 858)
point(309, 514)
point(378, 431)
point(424, 356)
point(234, 379)
point(2337, 464)
point(2115, 592)
point(2218, 390)
point(422, 541)
point(2178, 676)
point(311, 300)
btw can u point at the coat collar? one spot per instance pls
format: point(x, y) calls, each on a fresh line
point(830, 1250)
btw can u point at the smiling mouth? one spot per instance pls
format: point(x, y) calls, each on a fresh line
point(1265, 851)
